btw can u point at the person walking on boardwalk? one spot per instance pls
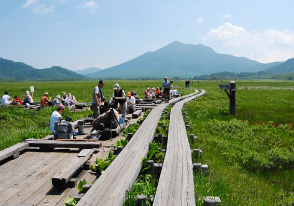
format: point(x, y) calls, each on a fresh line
point(97, 99)
point(166, 91)
point(120, 97)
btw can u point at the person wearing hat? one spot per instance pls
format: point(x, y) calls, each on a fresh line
point(147, 93)
point(45, 100)
point(166, 91)
point(64, 97)
point(28, 98)
point(97, 99)
point(56, 100)
point(131, 101)
point(119, 96)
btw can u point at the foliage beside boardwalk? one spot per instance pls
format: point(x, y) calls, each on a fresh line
point(250, 156)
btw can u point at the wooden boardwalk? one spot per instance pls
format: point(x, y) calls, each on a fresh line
point(111, 187)
point(176, 185)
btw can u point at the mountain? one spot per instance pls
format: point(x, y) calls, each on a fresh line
point(10, 70)
point(90, 70)
point(282, 68)
point(182, 60)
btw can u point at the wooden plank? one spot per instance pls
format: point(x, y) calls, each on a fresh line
point(110, 188)
point(136, 114)
point(63, 177)
point(8, 204)
point(13, 150)
point(62, 144)
point(85, 152)
point(30, 192)
point(176, 186)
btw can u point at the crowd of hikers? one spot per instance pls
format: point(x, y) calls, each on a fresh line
point(120, 102)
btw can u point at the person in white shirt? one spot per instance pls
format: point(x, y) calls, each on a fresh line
point(131, 103)
point(28, 98)
point(6, 99)
point(56, 116)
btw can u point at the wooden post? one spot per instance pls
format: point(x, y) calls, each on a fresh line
point(232, 98)
point(141, 200)
point(130, 135)
point(119, 149)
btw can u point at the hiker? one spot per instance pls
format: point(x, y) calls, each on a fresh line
point(28, 98)
point(64, 97)
point(70, 102)
point(97, 99)
point(109, 119)
point(119, 97)
point(157, 92)
point(45, 101)
point(187, 83)
point(56, 117)
point(6, 99)
point(16, 101)
point(133, 93)
point(72, 98)
point(166, 91)
point(131, 101)
point(147, 93)
point(56, 100)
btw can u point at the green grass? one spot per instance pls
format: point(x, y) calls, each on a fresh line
point(250, 156)
point(17, 124)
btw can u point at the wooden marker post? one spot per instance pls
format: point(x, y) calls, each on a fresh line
point(231, 95)
point(32, 88)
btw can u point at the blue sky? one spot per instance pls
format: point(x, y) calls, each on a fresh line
point(79, 34)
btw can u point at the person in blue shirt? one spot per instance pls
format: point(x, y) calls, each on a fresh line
point(166, 91)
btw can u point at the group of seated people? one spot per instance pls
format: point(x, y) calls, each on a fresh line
point(158, 93)
point(66, 100)
point(7, 100)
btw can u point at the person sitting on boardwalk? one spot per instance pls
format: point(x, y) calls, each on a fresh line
point(6, 99)
point(119, 97)
point(28, 98)
point(147, 93)
point(63, 98)
point(54, 127)
point(109, 119)
point(131, 103)
point(45, 101)
point(156, 92)
point(16, 101)
point(56, 100)
point(72, 98)
point(133, 93)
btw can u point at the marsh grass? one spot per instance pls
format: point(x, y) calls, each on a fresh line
point(250, 156)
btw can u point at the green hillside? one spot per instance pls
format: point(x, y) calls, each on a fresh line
point(17, 71)
point(283, 68)
point(182, 60)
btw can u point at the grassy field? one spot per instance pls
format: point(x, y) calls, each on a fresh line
point(17, 124)
point(250, 156)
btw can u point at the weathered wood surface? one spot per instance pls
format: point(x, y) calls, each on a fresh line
point(136, 114)
point(62, 144)
point(110, 188)
point(13, 150)
point(63, 176)
point(22, 179)
point(176, 185)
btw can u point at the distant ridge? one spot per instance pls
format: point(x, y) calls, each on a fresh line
point(182, 60)
point(282, 68)
point(90, 70)
point(18, 71)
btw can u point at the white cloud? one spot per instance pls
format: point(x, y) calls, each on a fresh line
point(29, 3)
point(199, 20)
point(43, 8)
point(92, 6)
point(227, 16)
point(265, 46)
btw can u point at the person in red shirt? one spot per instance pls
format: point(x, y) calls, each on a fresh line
point(45, 100)
point(17, 101)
